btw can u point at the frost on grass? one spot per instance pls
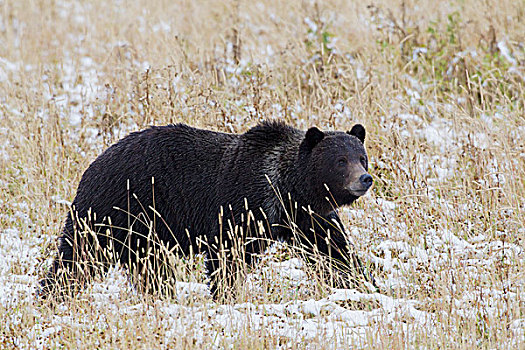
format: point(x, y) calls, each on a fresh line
point(345, 316)
point(416, 274)
point(442, 230)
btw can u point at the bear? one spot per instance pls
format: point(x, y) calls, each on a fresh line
point(176, 188)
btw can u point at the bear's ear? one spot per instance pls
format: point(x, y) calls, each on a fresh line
point(312, 138)
point(358, 131)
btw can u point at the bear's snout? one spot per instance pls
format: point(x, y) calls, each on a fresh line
point(366, 180)
point(359, 186)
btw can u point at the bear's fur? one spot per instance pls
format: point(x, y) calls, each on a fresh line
point(206, 191)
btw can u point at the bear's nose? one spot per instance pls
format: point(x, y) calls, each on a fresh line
point(366, 180)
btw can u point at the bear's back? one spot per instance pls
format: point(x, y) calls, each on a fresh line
point(183, 161)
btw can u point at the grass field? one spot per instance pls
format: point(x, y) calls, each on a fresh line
point(439, 85)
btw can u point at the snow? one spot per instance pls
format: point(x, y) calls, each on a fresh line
point(6, 68)
point(59, 200)
point(392, 248)
point(502, 46)
point(296, 319)
point(16, 285)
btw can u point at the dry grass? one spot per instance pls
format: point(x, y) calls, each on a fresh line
point(438, 85)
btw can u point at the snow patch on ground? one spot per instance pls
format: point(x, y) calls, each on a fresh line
point(344, 315)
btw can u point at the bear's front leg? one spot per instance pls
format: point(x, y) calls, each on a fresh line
point(331, 240)
point(226, 268)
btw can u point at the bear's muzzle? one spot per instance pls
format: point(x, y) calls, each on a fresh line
point(361, 186)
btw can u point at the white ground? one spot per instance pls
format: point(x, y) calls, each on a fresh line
point(438, 251)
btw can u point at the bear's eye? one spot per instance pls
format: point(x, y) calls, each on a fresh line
point(362, 159)
point(341, 162)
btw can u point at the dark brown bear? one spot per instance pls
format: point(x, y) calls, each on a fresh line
point(179, 189)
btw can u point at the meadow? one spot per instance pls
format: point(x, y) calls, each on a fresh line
point(439, 86)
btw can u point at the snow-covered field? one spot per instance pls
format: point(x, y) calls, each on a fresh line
point(442, 229)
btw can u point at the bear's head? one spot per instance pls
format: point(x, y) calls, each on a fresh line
point(337, 164)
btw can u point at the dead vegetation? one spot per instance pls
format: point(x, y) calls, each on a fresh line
point(438, 85)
